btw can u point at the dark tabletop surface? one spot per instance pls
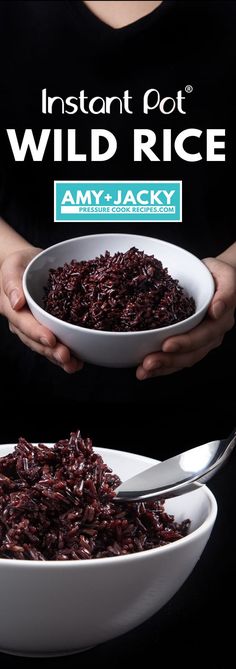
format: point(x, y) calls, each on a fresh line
point(197, 627)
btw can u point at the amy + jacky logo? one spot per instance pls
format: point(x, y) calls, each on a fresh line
point(112, 201)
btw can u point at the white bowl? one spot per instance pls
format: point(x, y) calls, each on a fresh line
point(55, 608)
point(117, 349)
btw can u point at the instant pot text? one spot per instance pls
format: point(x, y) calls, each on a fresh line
point(190, 144)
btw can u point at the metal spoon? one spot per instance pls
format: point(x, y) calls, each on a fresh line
point(178, 475)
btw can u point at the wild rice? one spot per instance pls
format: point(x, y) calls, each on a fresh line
point(121, 293)
point(58, 504)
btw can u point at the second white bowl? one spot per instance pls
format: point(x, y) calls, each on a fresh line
point(56, 608)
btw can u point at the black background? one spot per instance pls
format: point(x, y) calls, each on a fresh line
point(39, 402)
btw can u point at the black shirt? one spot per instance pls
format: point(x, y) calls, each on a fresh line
point(63, 47)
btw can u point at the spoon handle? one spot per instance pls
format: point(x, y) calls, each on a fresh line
point(225, 448)
point(180, 474)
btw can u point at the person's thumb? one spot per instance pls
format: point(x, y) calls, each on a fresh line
point(12, 272)
point(225, 288)
point(217, 308)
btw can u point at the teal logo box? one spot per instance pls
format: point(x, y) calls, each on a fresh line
point(114, 201)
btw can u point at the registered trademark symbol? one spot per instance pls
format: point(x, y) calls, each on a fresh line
point(189, 88)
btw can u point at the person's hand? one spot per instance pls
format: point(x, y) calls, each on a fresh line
point(188, 349)
point(21, 322)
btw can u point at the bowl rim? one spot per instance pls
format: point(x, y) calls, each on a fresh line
point(207, 524)
point(80, 328)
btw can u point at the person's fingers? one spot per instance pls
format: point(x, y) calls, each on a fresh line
point(73, 365)
point(225, 282)
point(22, 323)
point(208, 331)
point(28, 326)
point(160, 364)
point(142, 375)
point(60, 355)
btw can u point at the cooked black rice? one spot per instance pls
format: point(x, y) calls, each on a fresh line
point(121, 293)
point(58, 504)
